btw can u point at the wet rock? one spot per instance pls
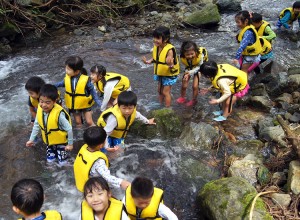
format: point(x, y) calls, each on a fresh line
point(294, 177)
point(228, 5)
point(276, 84)
point(263, 175)
point(259, 90)
point(295, 118)
point(279, 178)
point(30, 2)
point(287, 115)
point(102, 28)
point(8, 29)
point(294, 70)
point(285, 97)
point(230, 198)
point(153, 13)
point(4, 49)
point(293, 108)
point(261, 102)
point(274, 133)
point(294, 81)
point(209, 15)
point(281, 199)
point(245, 147)
point(199, 136)
point(79, 32)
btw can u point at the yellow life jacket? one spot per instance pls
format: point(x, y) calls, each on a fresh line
point(261, 29)
point(121, 86)
point(114, 211)
point(123, 125)
point(293, 18)
point(150, 212)
point(77, 99)
point(253, 49)
point(239, 76)
point(266, 46)
point(83, 163)
point(160, 66)
point(50, 215)
point(34, 102)
point(196, 60)
point(51, 133)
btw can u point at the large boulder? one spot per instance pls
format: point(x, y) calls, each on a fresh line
point(294, 82)
point(228, 5)
point(208, 15)
point(230, 198)
point(262, 103)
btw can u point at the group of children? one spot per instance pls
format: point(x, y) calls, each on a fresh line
point(91, 167)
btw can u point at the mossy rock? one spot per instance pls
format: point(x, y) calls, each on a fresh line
point(8, 29)
point(230, 199)
point(263, 175)
point(245, 147)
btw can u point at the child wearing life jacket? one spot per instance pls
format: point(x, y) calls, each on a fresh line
point(80, 93)
point(192, 57)
point(27, 196)
point(166, 65)
point(288, 15)
point(144, 201)
point(98, 203)
point(230, 81)
point(263, 27)
point(248, 54)
point(116, 120)
point(55, 125)
point(91, 162)
point(109, 84)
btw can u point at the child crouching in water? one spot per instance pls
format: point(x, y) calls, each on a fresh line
point(192, 57)
point(98, 203)
point(230, 81)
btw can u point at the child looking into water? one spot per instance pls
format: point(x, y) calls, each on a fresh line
point(144, 201)
point(80, 93)
point(230, 81)
point(192, 57)
point(249, 51)
point(109, 84)
point(27, 196)
point(288, 15)
point(166, 65)
point(55, 125)
point(117, 119)
point(90, 162)
point(98, 203)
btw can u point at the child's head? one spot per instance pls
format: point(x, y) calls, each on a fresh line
point(209, 69)
point(189, 50)
point(94, 136)
point(256, 20)
point(97, 73)
point(27, 196)
point(74, 66)
point(33, 86)
point(296, 7)
point(48, 97)
point(242, 19)
point(127, 101)
point(97, 193)
point(142, 190)
point(161, 35)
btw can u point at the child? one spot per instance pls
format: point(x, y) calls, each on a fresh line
point(90, 162)
point(110, 84)
point(80, 92)
point(288, 16)
point(144, 201)
point(27, 196)
point(33, 87)
point(192, 57)
point(230, 81)
point(98, 203)
point(55, 125)
point(249, 51)
point(166, 65)
point(263, 28)
point(117, 119)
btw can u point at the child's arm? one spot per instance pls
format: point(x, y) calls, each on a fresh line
point(248, 39)
point(142, 118)
point(225, 89)
point(166, 213)
point(60, 84)
point(270, 34)
point(65, 125)
point(170, 58)
point(34, 132)
point(144, 59)
point(92, 91)
point(284, 20)
point(108, 89)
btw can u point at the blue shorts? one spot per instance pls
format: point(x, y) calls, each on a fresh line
point(250, 59)
point(166, 80)
point(115, 141)
point(57, 151)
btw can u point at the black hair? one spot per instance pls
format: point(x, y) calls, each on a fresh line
point(296, 4)
point(93, 136)
point(27, 195)
point(256, 18)
point(99, 70)
point(243, 16)
point(95, 183)
point(187, 45)
point(34, 84)
point(142, 187)
point(76, 63)
point(49, 91)
point(127, 98)
point(163, 32)
point(209, 69)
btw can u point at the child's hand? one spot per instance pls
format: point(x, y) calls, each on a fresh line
point(113, 149)
point(124, 184)
point(235, 62)
point(203, 91)
point(151, 121)
point(186, 77)
point(169, 61)
point(29, 144)
point(144, 59)
point(69, 147)
point(213, 101)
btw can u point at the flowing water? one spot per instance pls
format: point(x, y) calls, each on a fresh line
point(179, 172)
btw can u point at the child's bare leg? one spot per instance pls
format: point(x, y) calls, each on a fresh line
point(167, 95)
point(227, 107)
point(245, 67)
point(195, 87)
point(88, 118)
point(78, 121)
point(184, 87)
point(160, 93)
